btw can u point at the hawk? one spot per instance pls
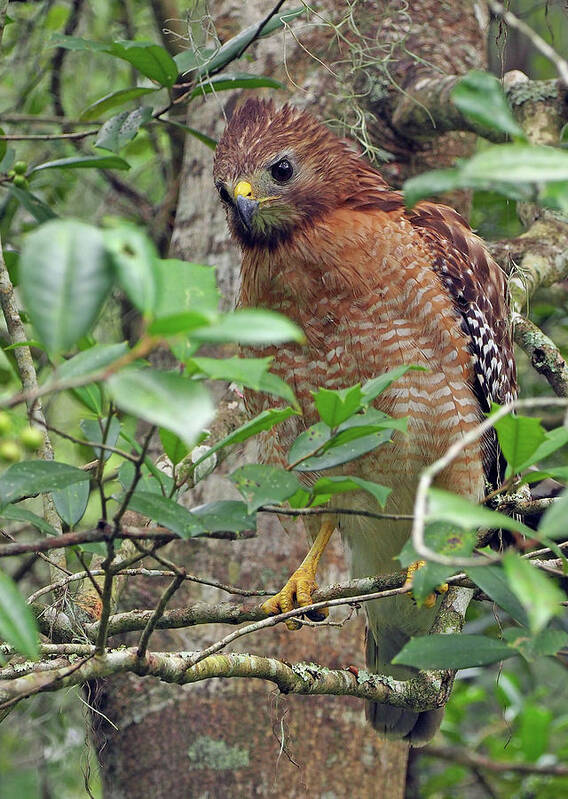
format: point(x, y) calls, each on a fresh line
point(374, 285)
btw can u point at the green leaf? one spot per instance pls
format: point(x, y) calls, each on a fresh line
point(543, 644)
point(237, 80)
point(247, 371)
point(436, 181)
point(83, 162)
point(148, 58)
point(122, 128)
point(535, 728)
point(264, 421)
point(480, 97)
point(517, 163)
point(166, 399)
point(231, 49)
point(250, 372)
point(94, 430)
point(40, 211)
point(335, 407)
point(553, 441)
point(71, 502)
point(112, 100)
point(371, 421)
point(197, 134)
point(442, 180)
point(134, 257)
point(173, 446)
point(185, 286)
point(340, 484)
point(452, 651)
point(28, 478)
point(272, 384)
point(445, 539)
point(88, 362)
point(554, 195)
point(65, 276)
point(149, 482)
point(540, 597)
point(18, 626)
point(493, 582)
point(91, 361)
point(310, 441)
point(445, 506)
point(260, 484)
point(214, 517)
point(224, 516)
point(76, 43)
point(180, 323)
point(166, 512)
point(14, 513)
point(519, 437)
point(554, 523)
point(251, 326)
point(335, 454)
point(373, 388)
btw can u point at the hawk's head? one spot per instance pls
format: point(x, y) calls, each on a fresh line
point(277, 169)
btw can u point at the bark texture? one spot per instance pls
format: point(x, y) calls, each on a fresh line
point(236, 738)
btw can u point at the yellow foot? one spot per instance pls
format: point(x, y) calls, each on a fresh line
point(430, 600)
point(296, 593)
point(302, 584)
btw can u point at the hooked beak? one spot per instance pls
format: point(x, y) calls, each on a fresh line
point(245, 203)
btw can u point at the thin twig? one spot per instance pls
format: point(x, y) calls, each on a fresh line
point(106, 600)
point(104, 533)
point(46, 136)
point(135, 479)
point(122, 572)
point(158, 613)
point(397, 517)
point(543, 47)
point(474, 760)
point(101, 465)
point(93, 444)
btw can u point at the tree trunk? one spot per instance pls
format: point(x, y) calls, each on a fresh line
point(239, 738)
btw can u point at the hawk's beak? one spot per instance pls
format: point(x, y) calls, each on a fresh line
point(246, 203)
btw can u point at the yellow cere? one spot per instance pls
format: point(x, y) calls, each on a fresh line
point(243, 189)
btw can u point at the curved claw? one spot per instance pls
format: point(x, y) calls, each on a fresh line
point(431, 599)
point(302, 584)
point(297, 592)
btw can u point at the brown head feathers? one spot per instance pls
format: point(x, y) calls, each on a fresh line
point(326, 171)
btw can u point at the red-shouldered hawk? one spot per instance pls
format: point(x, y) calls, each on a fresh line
point(373, 285)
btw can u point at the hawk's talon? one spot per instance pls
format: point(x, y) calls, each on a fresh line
point(302, 584)
point(297, 592)
point(432, 598)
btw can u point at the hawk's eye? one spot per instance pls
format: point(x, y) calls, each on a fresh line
point(224, 194)
point(282, 171)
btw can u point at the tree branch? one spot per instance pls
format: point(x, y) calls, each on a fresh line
point(474, 760)
point(543, 353)
point(425, 692)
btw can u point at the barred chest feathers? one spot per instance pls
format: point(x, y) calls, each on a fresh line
point(360, 325)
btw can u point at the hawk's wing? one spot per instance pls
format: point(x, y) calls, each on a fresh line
point(478, 288)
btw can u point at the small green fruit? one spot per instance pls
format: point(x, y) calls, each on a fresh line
point(10, 451)
point(20, 181)
point(5, 423)
point(31, 438)
point(20, 167)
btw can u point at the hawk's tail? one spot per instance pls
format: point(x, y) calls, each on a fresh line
point(394, 722)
